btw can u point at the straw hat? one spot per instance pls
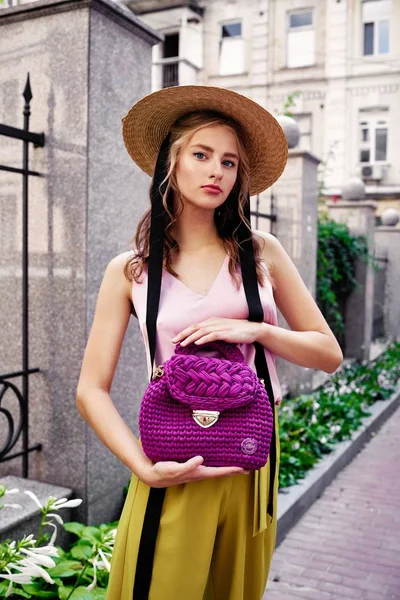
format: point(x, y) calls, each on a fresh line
point(149, 121)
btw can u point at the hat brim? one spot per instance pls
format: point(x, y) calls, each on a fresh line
point(149, 121)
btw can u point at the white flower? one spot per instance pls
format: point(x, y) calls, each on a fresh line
point(316, 405)
point(314, 419)
point(57, 518)
point(335, 428)
point(34, 498)
point(5, 492)
point(40, 559)
point(101, 560)
point(29, 567)
point(295, 445)
point(54, 534)
point(323, 440)
point(65, 503)
point(47, 550)
point(13, 578)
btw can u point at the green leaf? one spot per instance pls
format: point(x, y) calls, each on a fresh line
point(18, 592)
point(99, 594)
point(35, 590)
point(66, 568)
point(3, 587)
point(64, 591)
point(81, 593)
point(92, 534)
point(82, 551)
point(75, 527)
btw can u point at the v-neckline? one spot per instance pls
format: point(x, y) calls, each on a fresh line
point(203, 296)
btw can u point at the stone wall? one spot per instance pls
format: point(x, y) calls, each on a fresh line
point(89, 61)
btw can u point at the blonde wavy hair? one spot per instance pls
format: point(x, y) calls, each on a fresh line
point(227, 217)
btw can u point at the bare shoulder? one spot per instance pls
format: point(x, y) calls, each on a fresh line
point(115, 275)
point(271, 248)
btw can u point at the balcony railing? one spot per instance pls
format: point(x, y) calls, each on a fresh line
point(170, 74)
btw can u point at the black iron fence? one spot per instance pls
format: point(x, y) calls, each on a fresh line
point(380, 269)
point(17, 429)
point(271, 216)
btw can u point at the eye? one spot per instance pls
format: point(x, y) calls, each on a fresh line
point(231, 163)
point(199, 155)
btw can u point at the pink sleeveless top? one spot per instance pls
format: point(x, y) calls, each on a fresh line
point(181, 307)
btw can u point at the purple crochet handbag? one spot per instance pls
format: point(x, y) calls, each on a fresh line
point(211, 407)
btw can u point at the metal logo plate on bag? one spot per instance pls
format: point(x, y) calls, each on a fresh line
point(205, 418)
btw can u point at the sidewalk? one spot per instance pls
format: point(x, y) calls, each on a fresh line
point(347, 545)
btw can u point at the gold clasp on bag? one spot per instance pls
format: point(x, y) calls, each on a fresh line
point(205, 418)
point(262, 382)
point(159, 372)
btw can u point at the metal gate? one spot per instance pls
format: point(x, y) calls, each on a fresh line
point(380, 268)
point(270, 216)
point(18, 429)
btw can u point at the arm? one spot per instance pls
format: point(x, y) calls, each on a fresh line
point(98, 367)
point(93, 393)
point(310, 343)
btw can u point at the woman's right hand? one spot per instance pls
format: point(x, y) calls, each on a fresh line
point(167, 474)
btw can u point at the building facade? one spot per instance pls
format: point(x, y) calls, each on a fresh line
point(334, 64)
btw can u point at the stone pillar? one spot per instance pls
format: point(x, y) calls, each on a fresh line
point(89, 61)
point(359, 216)
point(387, 240)
point(296, 195)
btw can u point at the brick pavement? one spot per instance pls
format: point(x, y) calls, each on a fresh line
point(347, 545)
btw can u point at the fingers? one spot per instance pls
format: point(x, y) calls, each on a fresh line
point(191, 464)
point(173, 473)
point(189, 331)
point(209, 472)
point(212, 473)
point(211, 337)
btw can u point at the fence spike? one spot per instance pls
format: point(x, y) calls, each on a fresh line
point(27, 91)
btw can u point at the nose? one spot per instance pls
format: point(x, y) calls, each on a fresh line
point(216, 168)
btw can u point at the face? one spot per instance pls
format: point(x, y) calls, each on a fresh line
point(207, 168)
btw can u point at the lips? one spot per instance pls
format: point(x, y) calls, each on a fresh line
point(212, 188)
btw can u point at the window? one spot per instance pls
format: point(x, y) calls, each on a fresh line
point(170, 74)
point(231, 51)
point(373, 138)
point(170, 70)
point(300, 39)
point(171, 46)
point(375, 20)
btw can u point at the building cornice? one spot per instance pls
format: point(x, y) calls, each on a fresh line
point(114, 11)
point(149, 7)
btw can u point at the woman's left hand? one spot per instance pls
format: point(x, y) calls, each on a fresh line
point(236, 331)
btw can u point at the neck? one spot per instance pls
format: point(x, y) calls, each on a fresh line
point(195, 229)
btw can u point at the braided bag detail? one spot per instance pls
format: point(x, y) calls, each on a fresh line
point(211, 407)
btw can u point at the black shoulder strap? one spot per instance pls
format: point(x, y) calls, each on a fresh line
point(152, 517)
point(144, 565)
point(256, 313)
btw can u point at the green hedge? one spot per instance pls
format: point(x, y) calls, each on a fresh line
point(310, 425)
point(337, 254)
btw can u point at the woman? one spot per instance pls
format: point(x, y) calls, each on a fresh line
point(207, 149)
